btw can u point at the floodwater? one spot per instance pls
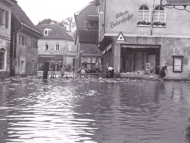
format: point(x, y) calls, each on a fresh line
point(94, 111)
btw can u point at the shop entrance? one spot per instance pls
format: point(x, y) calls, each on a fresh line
point(140, 60)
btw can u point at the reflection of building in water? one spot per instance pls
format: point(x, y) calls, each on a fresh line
point(177, 94)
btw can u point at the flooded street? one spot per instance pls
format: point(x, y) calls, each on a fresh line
point(94, 111)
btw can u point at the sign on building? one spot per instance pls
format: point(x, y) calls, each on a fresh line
point(120, 37)
point(174, 2)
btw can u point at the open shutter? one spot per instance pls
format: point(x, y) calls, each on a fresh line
point(6, 19)
point(1, 16)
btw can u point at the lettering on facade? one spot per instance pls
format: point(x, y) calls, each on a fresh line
point(121, 18)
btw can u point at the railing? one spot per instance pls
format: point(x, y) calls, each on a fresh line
point(92, 75)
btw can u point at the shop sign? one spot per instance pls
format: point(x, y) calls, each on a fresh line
point(121, 18)
point(103, 52)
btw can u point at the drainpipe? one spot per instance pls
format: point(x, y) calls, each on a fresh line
point(152, 14)
point(14, 46)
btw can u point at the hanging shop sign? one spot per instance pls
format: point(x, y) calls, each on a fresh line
point(121, 18)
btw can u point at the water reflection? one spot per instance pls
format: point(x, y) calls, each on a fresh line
point(94, 111)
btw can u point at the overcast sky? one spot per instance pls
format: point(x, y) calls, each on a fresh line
point(37, 10)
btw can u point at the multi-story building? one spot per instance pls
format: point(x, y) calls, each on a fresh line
point(24, 41)
point(87, 37)
point(5, 36)
point(136, 33)
point(55, 45)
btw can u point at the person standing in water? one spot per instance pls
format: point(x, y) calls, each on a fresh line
point(163, 71)
point(83, 70)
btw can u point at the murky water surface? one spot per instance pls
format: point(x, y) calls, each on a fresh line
point(94, 111)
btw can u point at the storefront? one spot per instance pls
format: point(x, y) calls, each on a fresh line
point(139, 58)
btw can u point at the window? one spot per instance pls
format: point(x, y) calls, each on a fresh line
point(46, 46)
point(34, 44)
point(22, 40)
point(144, 14)
point(4, 18)
point(45, 32)
point(57, 47)
point(159, 16)
point(177, 63)
point(2, 58)
point(91, 24)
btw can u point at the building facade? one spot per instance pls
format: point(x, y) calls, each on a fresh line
point(138, 33)
point(5, 36)
point(24, 41)
point(87, 37)
point(55, 45)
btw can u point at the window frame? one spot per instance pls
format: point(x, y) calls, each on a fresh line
point(144, 13)
point(57, 44)
point(179, 57)
point(45, 32)
point(157, 22)
point(88, 24)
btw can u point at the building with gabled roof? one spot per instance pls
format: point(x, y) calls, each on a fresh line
point(87, 37)
point(5, 36)
point(24, 43)
point(55, 45)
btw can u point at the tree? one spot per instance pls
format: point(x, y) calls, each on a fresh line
point(68, 22)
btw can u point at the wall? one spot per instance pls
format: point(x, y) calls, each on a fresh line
point(89, 10)
point(6, 32)
point(27, 54)
point(63, 45)
point(5, 41)
point(177, 21)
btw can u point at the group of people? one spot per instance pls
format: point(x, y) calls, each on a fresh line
point(98, 69)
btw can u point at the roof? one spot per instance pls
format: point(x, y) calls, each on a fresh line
point(88, 36)
point(12, 2)
point(23, 18)
point(55, 32)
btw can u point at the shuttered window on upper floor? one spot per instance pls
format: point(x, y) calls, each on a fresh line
point(4, 18)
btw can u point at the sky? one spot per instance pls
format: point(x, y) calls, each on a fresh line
point(38, 10)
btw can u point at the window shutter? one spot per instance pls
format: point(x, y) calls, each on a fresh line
point(1, 17)
point(6, 19)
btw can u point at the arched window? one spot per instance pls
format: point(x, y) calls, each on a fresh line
point(159, 14)
point(2, 59)
point(144, 14)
